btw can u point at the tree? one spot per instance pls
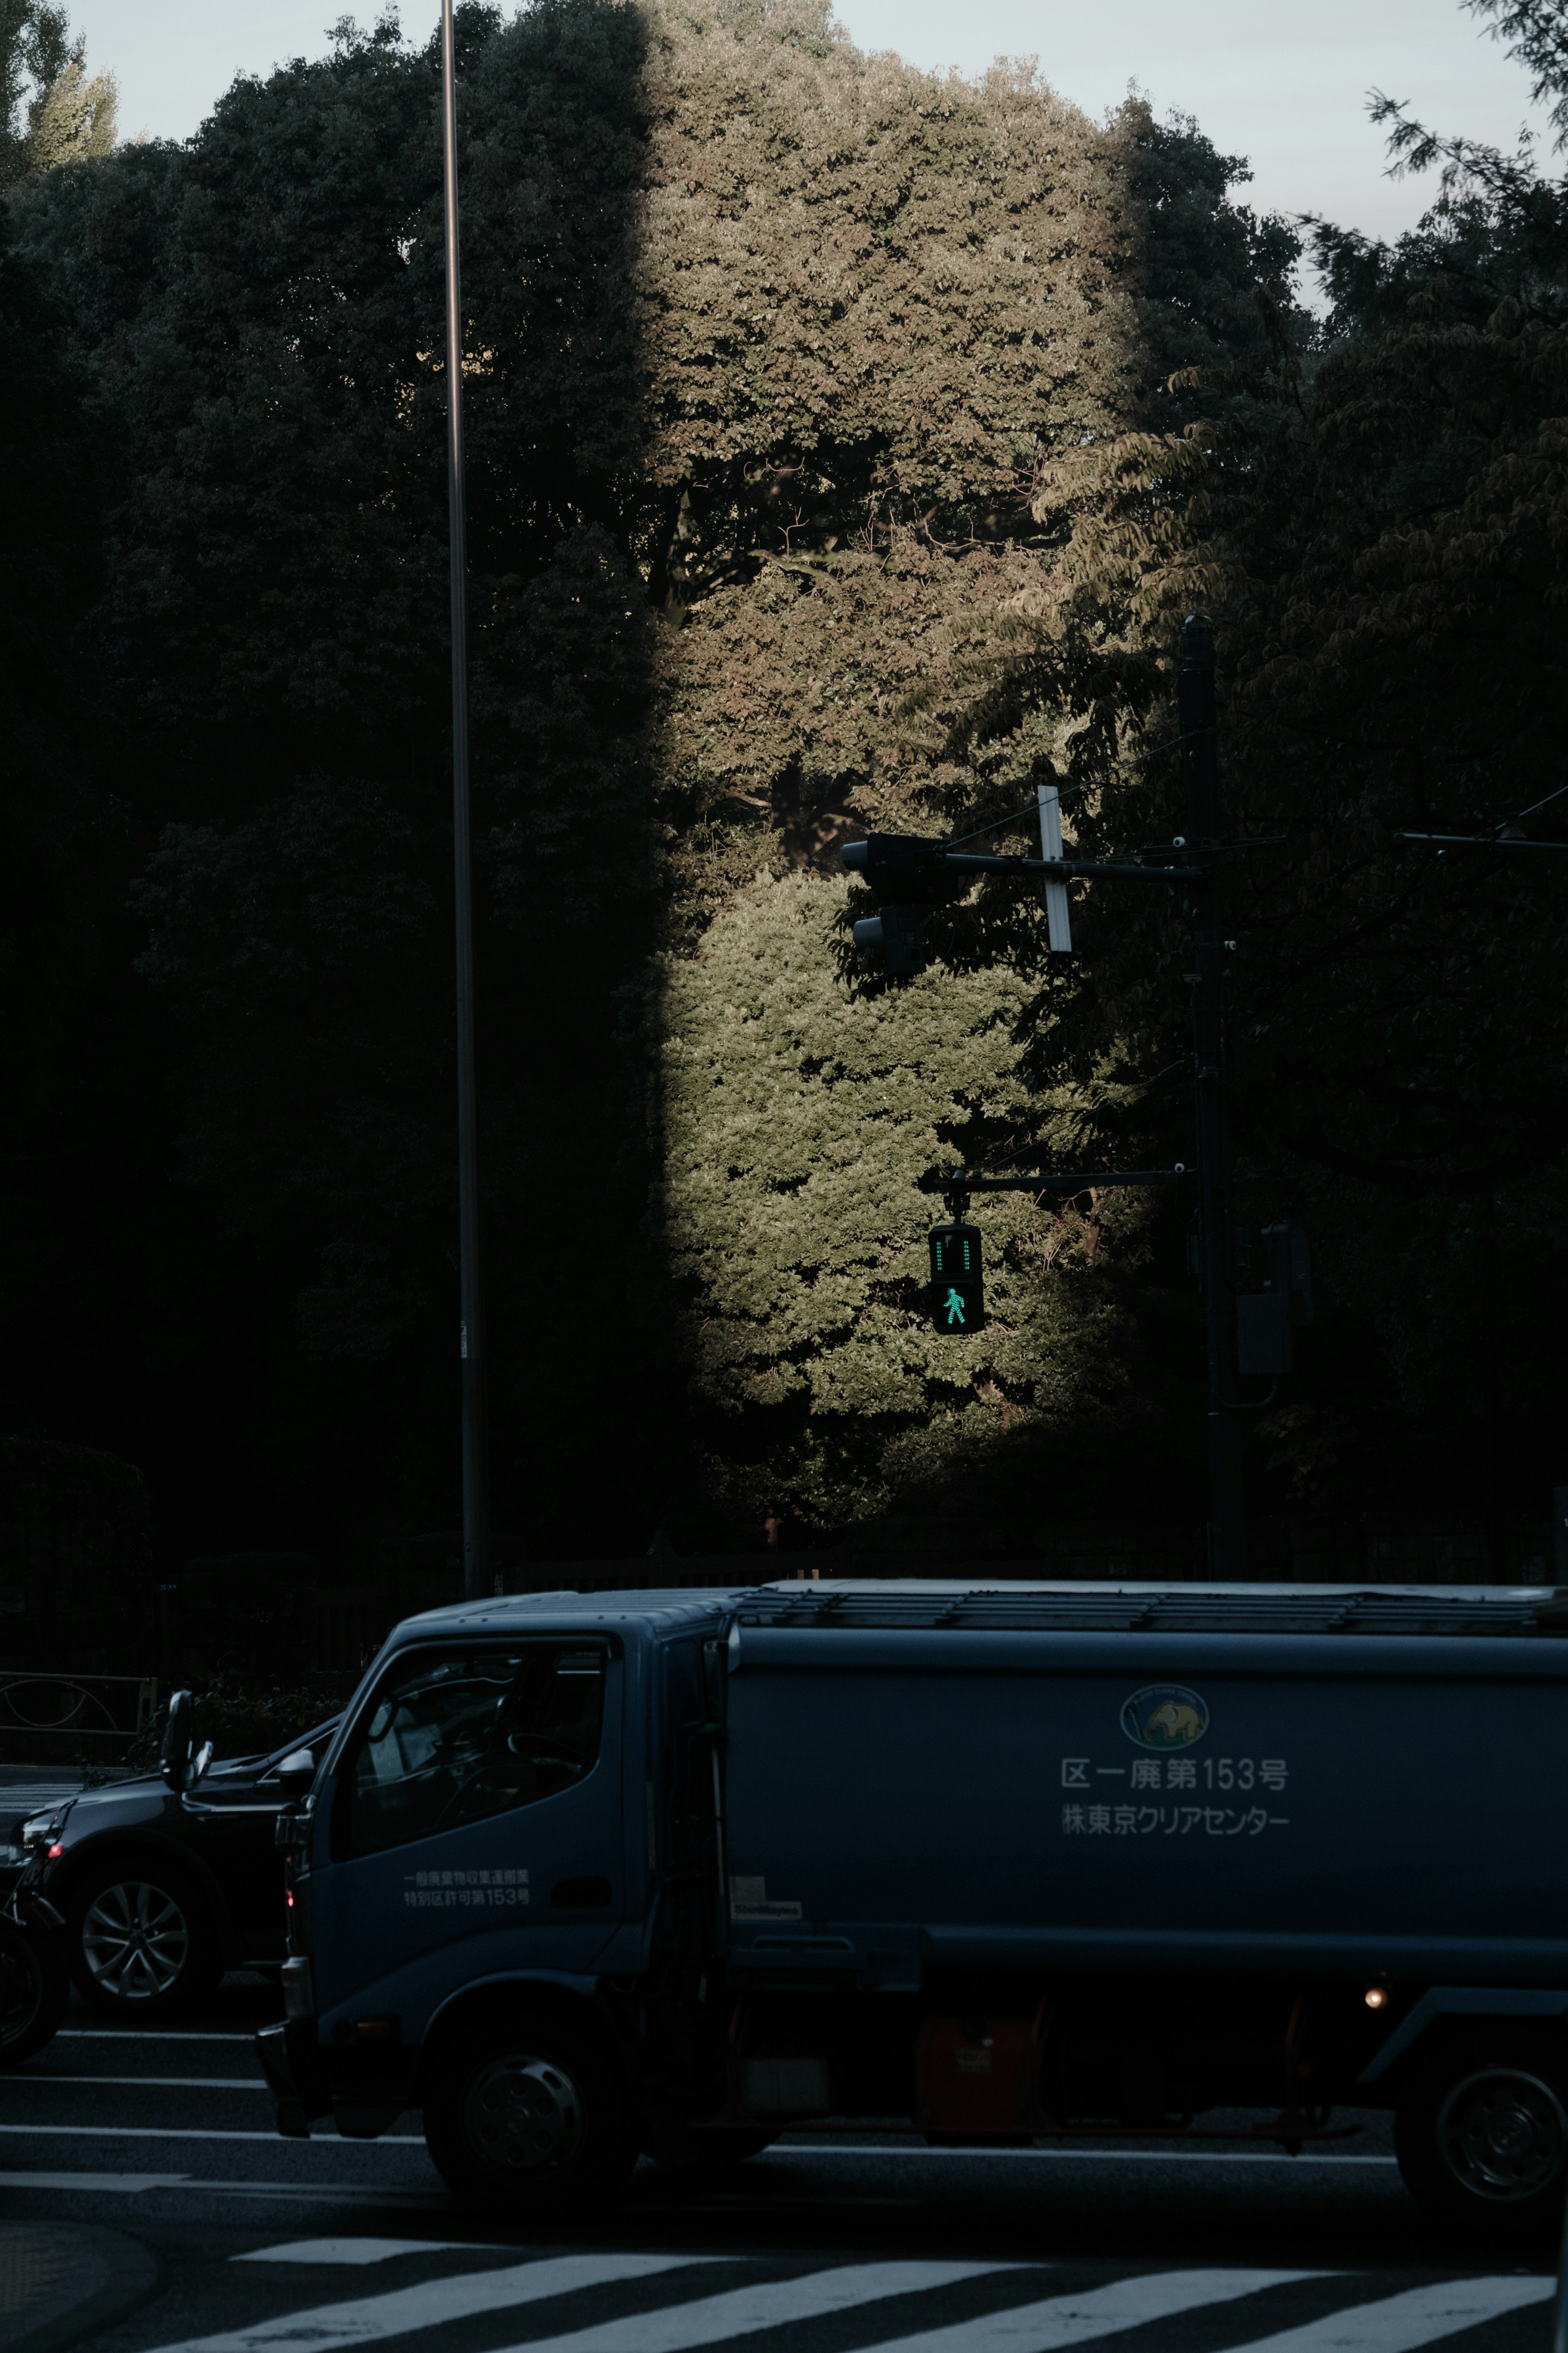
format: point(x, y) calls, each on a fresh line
point(800, 1114)
point(43, 78)
point(1377, 524)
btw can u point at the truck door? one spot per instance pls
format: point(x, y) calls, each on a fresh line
point(476, 1799)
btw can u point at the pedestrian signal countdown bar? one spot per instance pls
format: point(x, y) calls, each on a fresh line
point(957, 1281)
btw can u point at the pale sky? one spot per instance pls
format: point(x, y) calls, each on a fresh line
point(1282, 81)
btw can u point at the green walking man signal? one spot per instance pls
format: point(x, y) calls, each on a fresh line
point(957, 1279)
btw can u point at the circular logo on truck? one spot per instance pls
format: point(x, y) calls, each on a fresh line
point(1165, 1716)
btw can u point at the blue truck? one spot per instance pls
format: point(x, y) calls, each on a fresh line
point(588, 1875)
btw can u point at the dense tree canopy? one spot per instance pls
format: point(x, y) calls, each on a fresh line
point(1378, 523)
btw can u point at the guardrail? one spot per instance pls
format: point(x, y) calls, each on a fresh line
point(47, 1718)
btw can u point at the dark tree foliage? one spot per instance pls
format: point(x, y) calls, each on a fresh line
point(260, 317)
point(1379, 525)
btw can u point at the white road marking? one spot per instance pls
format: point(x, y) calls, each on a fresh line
point(365, 2320)
point(1398, 2324)
point(1109, 2156)
point(146, 2034)
point(362, 2251)
point(1061, 2320)
point(172, 2132)
point(711, 2318)
point(156, 2083)
point(130, 2184)
point(435, 2198)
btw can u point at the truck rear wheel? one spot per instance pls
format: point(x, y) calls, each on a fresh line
point(526, 2118)
point(1482, 2142)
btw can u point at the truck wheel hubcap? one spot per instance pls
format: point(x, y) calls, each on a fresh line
point(1503, 2135)
point(525, 2114)
point(135, 1940)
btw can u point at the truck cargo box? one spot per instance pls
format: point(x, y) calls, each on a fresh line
point(920, 1776)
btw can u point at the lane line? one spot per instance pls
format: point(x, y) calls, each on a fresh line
point(1060, 2320)
point(771, 2156)
point(364, 2251)
point(127, 2184)
point(711, 2318)
point(434, 2199)
point(147, 2034)
point(363, 2320)
point(1398, 2324)
point(180, 2132)
point(1065, 2156)
point(156, 2083)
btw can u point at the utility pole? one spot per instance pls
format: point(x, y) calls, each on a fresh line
point(470, 1329)
point(909, 878)
point(1228, 1532)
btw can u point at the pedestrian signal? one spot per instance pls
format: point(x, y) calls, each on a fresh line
point(957, 1281)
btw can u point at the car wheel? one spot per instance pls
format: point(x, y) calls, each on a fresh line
point(1482, 2142)
point(144, 1939)
point(35, 1988)
point(527, 2118)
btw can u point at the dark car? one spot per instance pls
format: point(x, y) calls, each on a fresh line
point(163, 1888)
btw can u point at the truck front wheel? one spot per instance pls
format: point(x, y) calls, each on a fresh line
point(1482, 2144)
point(526, 2117)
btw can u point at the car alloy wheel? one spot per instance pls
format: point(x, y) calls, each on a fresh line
point(1503, 2135)
point(135, 1940)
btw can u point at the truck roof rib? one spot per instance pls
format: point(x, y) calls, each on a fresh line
point(886, 1605)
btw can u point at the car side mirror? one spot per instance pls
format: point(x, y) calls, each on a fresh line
point(179, 1740)
point(296, 1773)
point(204, 1757)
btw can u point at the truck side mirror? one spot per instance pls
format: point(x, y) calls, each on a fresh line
point(296, 1773)
point(179, 1739)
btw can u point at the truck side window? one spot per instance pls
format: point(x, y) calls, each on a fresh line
point(453, 1735)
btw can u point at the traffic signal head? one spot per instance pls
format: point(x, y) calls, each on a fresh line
point(900, 933)
point(957, 1279)
point(908, 877)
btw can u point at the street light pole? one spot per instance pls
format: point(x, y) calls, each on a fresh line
point(1196, 702)
point(471, 1332)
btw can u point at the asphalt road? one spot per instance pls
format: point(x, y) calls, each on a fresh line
point(825, 2243)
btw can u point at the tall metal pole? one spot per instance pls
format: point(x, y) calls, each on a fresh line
point(471, 1330)
point(1228, 1534)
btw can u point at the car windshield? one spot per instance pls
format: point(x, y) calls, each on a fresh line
point(315, 1741)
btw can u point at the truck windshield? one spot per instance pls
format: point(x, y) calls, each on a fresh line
point(452, 1735)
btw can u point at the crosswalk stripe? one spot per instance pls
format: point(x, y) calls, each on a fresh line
point(148, 2034)
point(130, 2184)
point(855, 2152)
point(153, 2083)
point(1093, 2312)
point(1398, 2324)
point(173, 2132)
point(360, 2251)
point(711, 2318)
point(365, 2320)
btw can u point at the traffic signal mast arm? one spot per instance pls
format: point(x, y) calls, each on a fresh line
point(966, 1180)
point(1059, 869)
point(866, 856)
